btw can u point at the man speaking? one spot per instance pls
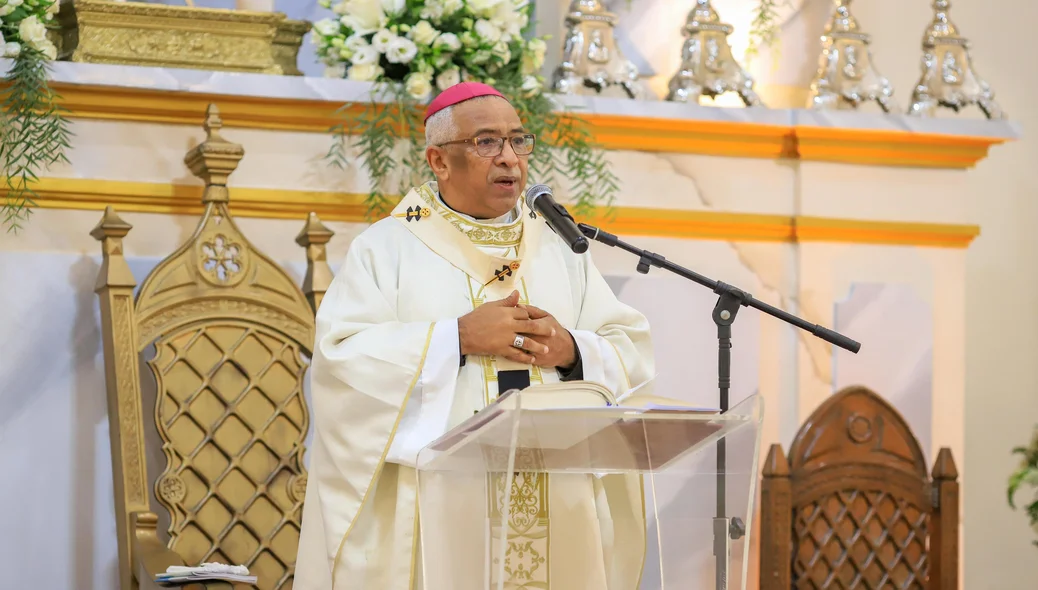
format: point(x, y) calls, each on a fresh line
point(461, 294)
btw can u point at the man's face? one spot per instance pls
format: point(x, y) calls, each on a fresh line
point(483, 186)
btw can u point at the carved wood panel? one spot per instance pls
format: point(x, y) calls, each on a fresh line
point(860, 510)
point(233, 419)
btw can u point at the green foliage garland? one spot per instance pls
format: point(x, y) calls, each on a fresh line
point(764, 30)
point(34, 132)
point(409, 50)
point(1027, 473)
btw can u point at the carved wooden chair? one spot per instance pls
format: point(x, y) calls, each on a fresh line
point(853, 507)
point(227, 335)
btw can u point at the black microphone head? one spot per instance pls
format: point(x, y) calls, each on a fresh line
point(580, 245)
point(535, 191)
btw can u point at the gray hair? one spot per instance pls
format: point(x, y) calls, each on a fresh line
point(443, 126)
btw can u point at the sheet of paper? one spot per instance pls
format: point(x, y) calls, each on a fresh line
point(636, 388)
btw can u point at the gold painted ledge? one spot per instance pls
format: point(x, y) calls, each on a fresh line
point(181, 199)
point(614, 132)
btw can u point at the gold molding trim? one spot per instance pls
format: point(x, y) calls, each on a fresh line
point(615, 132)
point(182, 199)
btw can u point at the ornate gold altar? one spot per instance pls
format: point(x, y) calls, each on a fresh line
point(138, 33)
point(226, 335)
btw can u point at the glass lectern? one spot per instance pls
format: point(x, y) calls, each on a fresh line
point(598, 498)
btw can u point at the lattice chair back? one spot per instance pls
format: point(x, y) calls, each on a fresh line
point(231, 335)
point(853, 507)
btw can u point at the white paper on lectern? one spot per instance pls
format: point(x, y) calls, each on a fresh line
point(644, 392)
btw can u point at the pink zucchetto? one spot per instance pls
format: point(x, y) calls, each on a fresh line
point(460, 93)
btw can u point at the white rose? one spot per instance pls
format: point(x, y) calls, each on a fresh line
point(394, 6)
point(502, 52)
point(354, 42)
point(452, 6)
point(33, 32)
point(448, 41)
point(531, 85)
point(365, 73)
point(6, 10)
point(364, 16)
point(488, 31)
point(432, 10)
point(401, 51)
point(48, 49)
point(418, 85)
point(538, 47)
point(326, 27)
point(364, 56)
point(54, 7)
point(12, 49)
point(528, 65)
point(533, 57)
point(423, 33)
point(335, 71)
point(481, 57)
point(448, 78)
point(483, 7)
point(340, 8)
point(14, 3)
point(469, 39)
point(382, 39)
point(515, 23)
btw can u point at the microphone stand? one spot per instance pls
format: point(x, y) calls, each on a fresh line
point(730, 299)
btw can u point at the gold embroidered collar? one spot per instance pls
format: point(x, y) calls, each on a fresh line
point(481, 234)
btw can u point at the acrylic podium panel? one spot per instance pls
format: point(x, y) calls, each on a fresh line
point(600, 498)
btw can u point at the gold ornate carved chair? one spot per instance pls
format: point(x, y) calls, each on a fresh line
point(225, 335)
point(853, 507)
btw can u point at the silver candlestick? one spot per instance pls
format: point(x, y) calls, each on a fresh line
point(846, 75)
point(948, 78)
point(591, 61)
point(707, 65)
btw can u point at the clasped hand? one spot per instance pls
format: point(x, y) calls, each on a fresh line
point(491, 329)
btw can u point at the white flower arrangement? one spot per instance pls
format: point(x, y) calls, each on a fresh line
point(412, 49)
point(24, 22)
point(431, 45)
point(34, 133)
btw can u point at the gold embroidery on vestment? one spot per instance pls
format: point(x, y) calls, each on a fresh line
point(527, 554)
point(480, 234)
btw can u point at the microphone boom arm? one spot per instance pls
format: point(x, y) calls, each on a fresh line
point(647, 259)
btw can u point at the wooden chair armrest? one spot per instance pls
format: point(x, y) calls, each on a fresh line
point(151, 557)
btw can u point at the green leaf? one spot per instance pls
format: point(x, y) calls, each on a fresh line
point(1015, 480)
point(35, 134)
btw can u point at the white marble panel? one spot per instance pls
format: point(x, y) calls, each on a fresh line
point(847, 191)
point(896, 329)
point(679, 312)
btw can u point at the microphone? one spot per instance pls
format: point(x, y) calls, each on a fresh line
point(539, 199)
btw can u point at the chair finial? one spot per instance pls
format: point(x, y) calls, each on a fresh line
point(213, 123)
point(110, 226)
point(214, 159)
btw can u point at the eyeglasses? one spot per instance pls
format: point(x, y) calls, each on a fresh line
point(491, 147)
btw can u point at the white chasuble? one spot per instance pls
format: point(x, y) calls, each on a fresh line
point(387, 379)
